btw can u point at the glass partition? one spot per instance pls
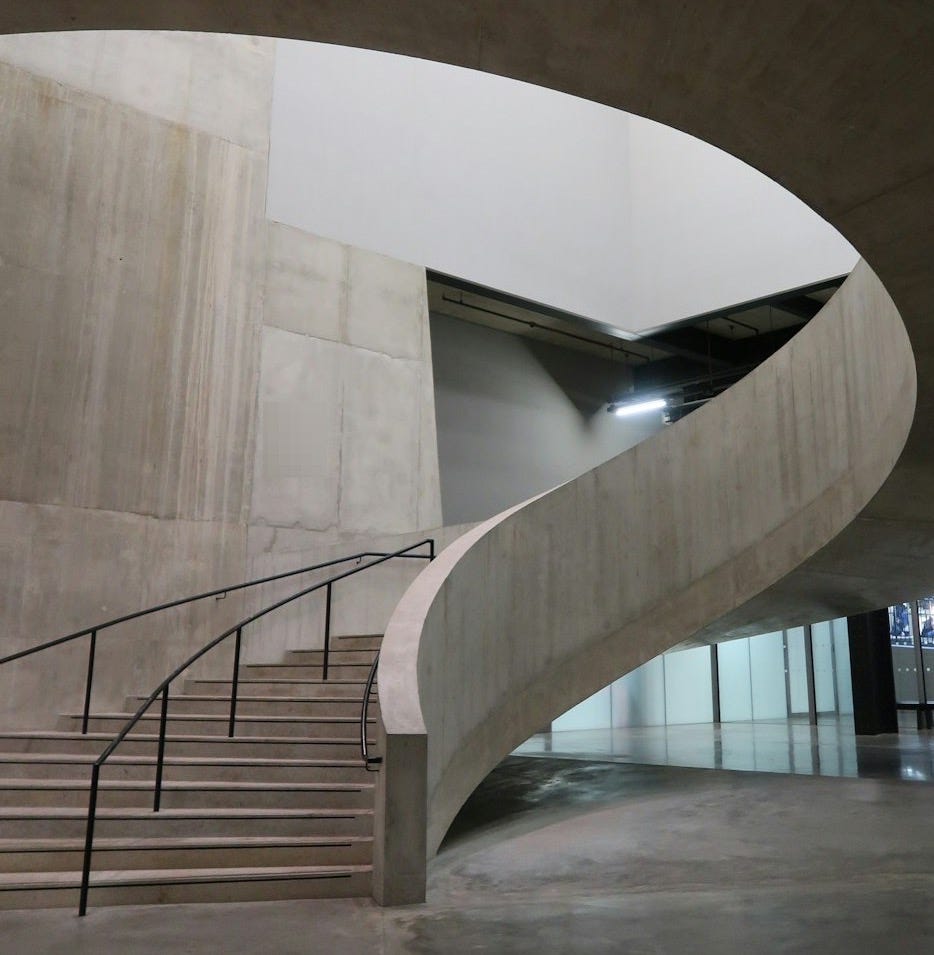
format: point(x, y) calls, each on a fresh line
point(825, 676)
point(735, 681)
point(759, 678)
point(797, 671)
point(767, 670)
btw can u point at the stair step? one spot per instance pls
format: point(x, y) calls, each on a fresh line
point(35, 793)
point(184, 744)
point(56, 765)
point(142, 887)
point(141, 823)
point(263, 705)
point(307, 671)
point(283, 810)
point(282, 686)
point(336, 657)
point(62, 855)
point(364, 642)
point(302, 726)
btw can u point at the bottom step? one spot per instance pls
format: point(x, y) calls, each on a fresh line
point(32, 890)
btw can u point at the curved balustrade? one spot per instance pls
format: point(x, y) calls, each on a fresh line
point(541, 606)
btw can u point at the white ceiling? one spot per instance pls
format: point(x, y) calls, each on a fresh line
point(539, 194)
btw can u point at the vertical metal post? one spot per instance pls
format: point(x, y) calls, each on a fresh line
point(234, 684)
point(431, 549)
point(92, 648)
point(89, 841)
point(327, 631)
point(160, 759)
point(923, 713)
point(715, 682)
point(809, 667)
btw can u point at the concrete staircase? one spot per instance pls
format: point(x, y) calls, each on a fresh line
point(282, 811)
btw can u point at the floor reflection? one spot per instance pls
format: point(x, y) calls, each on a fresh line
point(830, 748)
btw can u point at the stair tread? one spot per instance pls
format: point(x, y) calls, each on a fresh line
point(310, 666)
point(176, 737)
point(122, 785)
point(86, 759)
point(223, 717)
point(270, 698)
point(284, 681)
point(332, 651)
point(63, 880)
point(179, 842)
point(80, 812)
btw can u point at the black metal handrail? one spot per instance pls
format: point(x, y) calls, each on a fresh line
point(93, 631)
point(163, 690)
point(369, 760)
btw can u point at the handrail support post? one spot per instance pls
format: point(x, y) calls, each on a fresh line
point(89, 840)
point(92, 649)
point(327, 631)
point(160, 759)
point(234, 684)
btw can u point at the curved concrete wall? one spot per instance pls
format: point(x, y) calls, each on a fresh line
point(539, 607)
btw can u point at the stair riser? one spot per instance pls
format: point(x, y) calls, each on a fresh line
point(370, 644)
point(230, 773)
point(246, 726)
point(288, 671)
point(348, 708)
point(194, 799)
point(242, 747)
point(349, 853)
point(304, 687)
point(354, 886)
point(158, 825)
point(337, 657)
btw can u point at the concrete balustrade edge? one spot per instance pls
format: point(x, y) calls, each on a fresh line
point(542, 605)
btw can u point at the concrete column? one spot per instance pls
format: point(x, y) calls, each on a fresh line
point(874, 709)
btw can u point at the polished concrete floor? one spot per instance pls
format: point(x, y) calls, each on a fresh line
point(767, 746)
point(557, 855)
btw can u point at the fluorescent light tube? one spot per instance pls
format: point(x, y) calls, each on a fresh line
point(656, 404)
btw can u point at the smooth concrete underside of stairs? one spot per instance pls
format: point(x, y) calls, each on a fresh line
point(284, 810)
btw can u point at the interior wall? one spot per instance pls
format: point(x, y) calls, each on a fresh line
point(517, 417)
point(157, 330)
point(346, 446)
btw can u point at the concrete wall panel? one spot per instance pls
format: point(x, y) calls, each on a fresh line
point(346, 437)
point(380, 449)
point(65, 568)
point(297, 477)
point(306, 283)
point(387, 307)
point(129, 260)
point(217, 84)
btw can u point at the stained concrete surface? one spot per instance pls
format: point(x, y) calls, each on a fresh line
point(561, 856)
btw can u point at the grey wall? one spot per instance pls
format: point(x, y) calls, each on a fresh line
point(517, 417)
point(187, 390)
